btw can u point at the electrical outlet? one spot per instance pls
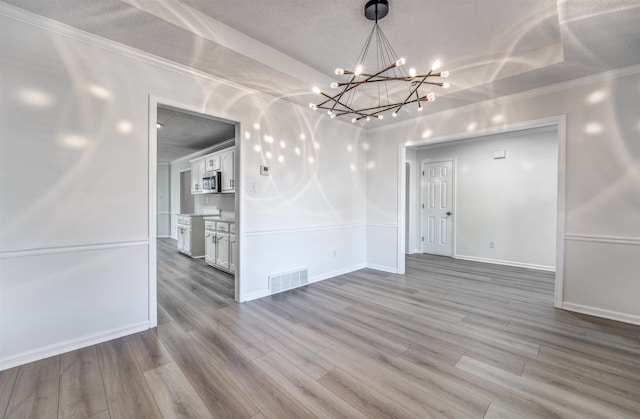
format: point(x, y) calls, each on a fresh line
point(492, 245)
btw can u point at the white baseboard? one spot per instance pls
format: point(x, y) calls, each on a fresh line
point(335, 273)
point(328, 275)
point(601, 312)
point(507, 263)
point(70, 345)
point(390, 269)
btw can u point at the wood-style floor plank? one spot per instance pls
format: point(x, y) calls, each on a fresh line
point(7, 380)
point(82, 392)
point(128, 394)
point(35, 392)
point(450, 338)
point(174, 395)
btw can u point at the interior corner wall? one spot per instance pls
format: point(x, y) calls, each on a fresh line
point(74, 110)
point(511, 202)
point(601, 191)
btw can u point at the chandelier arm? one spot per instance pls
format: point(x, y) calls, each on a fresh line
point(337, 102)
point(415, 89)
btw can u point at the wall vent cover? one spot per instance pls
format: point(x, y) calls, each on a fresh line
point(288, 280)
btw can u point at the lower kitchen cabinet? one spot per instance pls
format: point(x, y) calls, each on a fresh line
point(220, 244)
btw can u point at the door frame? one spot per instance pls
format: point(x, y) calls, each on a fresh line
point(453, 201)
point(154, 101)
point(558, 121)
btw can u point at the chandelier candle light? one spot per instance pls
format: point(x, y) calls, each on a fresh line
point(390, 71)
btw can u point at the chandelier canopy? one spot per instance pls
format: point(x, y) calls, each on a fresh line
point(387, 77)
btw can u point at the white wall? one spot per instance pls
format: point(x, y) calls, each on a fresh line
point(602, 194)
point(75, 111)
point(164, 200)
point(511, 202)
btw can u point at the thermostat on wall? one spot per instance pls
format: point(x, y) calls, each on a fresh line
point(264, 170)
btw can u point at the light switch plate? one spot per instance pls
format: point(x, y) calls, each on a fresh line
point(499, 154)
point(264, 170)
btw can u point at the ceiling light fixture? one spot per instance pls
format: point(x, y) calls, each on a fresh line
point(388, 72)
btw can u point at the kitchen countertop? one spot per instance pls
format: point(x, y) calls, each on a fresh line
point(218, 218)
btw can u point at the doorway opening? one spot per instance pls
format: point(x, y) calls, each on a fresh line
point(505, 191)
point(182, 137)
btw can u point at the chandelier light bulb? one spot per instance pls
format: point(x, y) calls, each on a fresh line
point(339, 71)
point(394, 114)
point(412, 72)
point(444, 74)
point(367, 118)
point(431, 96)
point(380, 116)
point(435, 65)
point(329, 112)
point(358, 70)
point(420, 108)
point(354, 120)
point(445, 85)
point(334, 85)
point(316, 90)
point(400, 62)
point(333, 115)
point(313, 106)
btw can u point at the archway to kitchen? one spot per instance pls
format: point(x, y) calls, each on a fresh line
point(185, 143)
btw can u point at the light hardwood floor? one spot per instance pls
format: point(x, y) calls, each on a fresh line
point(448, 339)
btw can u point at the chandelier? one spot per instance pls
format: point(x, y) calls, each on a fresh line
point(388, 77)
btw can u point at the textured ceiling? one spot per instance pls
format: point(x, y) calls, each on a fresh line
point(283, 47)
point(183, 133)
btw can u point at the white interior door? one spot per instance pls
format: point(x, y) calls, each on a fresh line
point(437, 208)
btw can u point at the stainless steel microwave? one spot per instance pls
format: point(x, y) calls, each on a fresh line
point(211, 182)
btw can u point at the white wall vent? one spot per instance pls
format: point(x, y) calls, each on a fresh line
point(288, 280)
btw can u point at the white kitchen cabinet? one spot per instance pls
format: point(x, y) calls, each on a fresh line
point(233, 253)
point(227, 169)
point(210, 247)
point(212, 163)
point(197, 170)
point(222, 250)
point(191, 235)
point(220, 241)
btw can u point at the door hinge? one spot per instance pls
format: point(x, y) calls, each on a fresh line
point(422, 238)
point(422, 206)
point(423, 173)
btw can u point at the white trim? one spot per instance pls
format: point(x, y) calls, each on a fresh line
point(389, 269)
point(152, 276)
point(552, 88)
point(600, 312)
point(164, 213)
point(558, 121)
point(382, 225)
point(337, 272)
point(71, 249)
point(603, 239)
point(70, 345)
point(317, 278)
point(507, 263)
point(164, 237)
point(303, 230)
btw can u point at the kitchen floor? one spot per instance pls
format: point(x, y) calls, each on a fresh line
point(449, 338)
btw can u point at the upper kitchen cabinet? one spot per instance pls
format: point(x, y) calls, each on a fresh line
point(197, 170)
point(212, 163)
point(228, 173)
point(220, 161)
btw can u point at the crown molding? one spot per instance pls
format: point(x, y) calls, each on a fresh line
point(552, 88)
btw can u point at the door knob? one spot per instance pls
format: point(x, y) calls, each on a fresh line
point(448, 212)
